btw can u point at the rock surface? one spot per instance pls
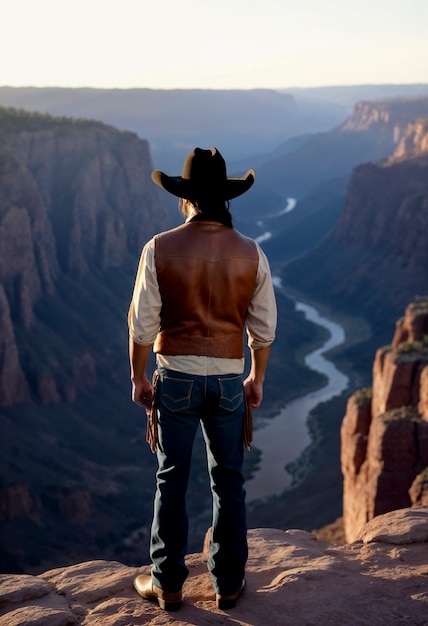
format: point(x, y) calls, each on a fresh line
point(292, 578)
point(384, 434)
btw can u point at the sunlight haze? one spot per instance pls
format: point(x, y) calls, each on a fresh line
point(229, 44)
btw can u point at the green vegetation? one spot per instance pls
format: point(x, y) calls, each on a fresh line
point(18, 120)
point(362, 396)
point(420, 305)
point(403, 412)
point(413, 347)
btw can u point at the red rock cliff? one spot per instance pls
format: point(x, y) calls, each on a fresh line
point(384, 434)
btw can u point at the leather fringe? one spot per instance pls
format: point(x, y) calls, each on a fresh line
point(248, 425)
point(152, 416)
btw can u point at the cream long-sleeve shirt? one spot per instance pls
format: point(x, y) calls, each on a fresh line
point(146, 304)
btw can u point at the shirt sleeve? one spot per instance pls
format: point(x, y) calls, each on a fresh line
point(144, 311)
point(262, 314)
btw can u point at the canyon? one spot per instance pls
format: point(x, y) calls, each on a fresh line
point(76, 205)
point(295, 576)
point(376, 249)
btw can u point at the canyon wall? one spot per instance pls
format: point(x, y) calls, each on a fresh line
point(384, 434)
point(76, 200)
point(375, 259)
point(76, 207)
point(386, 208)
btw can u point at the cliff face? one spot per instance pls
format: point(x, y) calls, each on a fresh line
point(75, 199)
point(386, 209)
point(388, 118)
point(384, 434)
point(94, 184)
point(76, 207)
point(414, 142)
point(385, 218)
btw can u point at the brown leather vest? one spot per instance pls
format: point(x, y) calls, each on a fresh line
point(207, 274)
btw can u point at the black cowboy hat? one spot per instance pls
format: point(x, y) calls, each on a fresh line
point(204, 178)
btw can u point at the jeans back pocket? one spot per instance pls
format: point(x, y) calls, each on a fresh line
point(176, 393)
point(231, 393)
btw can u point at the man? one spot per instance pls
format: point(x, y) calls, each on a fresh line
point(197, 287)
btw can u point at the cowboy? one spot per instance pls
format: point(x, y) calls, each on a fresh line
point(198, 286)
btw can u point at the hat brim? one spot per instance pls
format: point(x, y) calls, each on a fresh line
point(183, 188)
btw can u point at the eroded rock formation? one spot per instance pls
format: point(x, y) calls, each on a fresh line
point(384, 434)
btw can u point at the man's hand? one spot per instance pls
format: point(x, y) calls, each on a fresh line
point(254, 393)
point(142, 393)
point(253, 384)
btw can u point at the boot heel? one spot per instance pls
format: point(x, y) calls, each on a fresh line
point(225, 605)
point(170, 606)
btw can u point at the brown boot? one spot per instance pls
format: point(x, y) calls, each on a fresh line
point(167, 600)
point(228, 602)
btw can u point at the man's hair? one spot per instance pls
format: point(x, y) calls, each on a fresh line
point(216, 212)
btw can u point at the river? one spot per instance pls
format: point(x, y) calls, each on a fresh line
point(283, 438)
point(290, 206)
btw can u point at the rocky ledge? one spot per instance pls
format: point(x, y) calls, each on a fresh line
point(292, 578)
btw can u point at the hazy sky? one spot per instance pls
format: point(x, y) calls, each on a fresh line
point(213, 44)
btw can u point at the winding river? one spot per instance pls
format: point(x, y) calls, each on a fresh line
point(290, 206)
point(283, 438)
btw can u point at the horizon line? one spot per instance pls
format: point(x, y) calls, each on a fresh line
point(292, 87)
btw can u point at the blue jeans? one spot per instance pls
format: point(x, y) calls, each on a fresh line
point(218, 403)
